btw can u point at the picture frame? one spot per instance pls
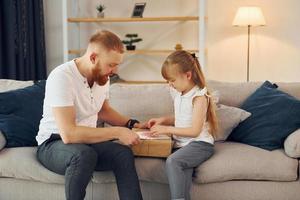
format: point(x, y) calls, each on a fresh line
point(138, 9)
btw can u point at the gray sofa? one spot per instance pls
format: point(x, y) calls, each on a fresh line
point(235, 172)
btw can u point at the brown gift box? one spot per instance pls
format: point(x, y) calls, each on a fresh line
point(153, 148)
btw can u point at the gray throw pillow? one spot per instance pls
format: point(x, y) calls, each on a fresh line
point(2, 141)
point(292, 144)
point(229, 117)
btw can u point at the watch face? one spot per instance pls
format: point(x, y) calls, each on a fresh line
point(130, 124)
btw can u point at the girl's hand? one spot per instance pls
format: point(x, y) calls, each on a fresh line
point(154, 121)
point(159, 130)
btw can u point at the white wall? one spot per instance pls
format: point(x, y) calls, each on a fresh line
point(274, 49)
point(274, 52)
point(53, 33)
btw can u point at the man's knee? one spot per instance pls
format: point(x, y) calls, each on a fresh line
point(124, 155)
point(85, 157)
point(61, 157)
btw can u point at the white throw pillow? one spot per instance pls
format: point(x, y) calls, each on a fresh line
point(292, 144)
point(229, 117)
point(2, 141)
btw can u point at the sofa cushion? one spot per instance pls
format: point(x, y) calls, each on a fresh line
point(151, 169)
point(231, 161)
point(9, 84)
point(229, 117)
point(141, 101)
point(148, 169)
point(237, 161)
point(275, 114)
point(20, 114)
point(234, 94)
point(21, 163)
point(292, 144)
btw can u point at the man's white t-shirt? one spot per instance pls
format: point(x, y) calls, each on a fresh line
point(67, 87)
point(183, 107)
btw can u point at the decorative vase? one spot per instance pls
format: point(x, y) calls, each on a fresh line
point(130, 48)
point(178, 47)
point(100, 14)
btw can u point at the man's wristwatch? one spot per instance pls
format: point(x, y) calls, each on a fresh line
point(130, 123)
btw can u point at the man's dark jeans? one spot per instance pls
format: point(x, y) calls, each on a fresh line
point(78, 161)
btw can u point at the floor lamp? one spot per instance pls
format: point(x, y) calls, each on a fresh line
point(249, 16)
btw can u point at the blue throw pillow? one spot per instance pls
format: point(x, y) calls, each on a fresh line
point(274, 115)
point(20, 114)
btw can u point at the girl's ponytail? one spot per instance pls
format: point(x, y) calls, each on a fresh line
point(211, 116)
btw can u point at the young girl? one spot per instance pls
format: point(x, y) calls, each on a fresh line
point(194, 124)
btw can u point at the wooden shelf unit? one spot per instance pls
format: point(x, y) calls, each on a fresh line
point(129, 19)
point(201, 19)
point(138, 51)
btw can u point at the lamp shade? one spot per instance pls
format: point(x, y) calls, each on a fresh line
point(249, 16)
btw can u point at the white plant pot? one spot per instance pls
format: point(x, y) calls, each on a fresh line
point(100, 15)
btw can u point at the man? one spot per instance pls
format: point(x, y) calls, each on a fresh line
point(69, 142)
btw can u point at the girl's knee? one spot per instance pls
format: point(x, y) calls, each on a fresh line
point(175, 161)
point(171, 161)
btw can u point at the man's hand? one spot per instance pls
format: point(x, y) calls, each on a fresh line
point(128, 137)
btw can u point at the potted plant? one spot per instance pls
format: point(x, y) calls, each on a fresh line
point(132, 38)
point(100, 8)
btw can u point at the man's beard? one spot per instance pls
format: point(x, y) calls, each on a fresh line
point(98, 78)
